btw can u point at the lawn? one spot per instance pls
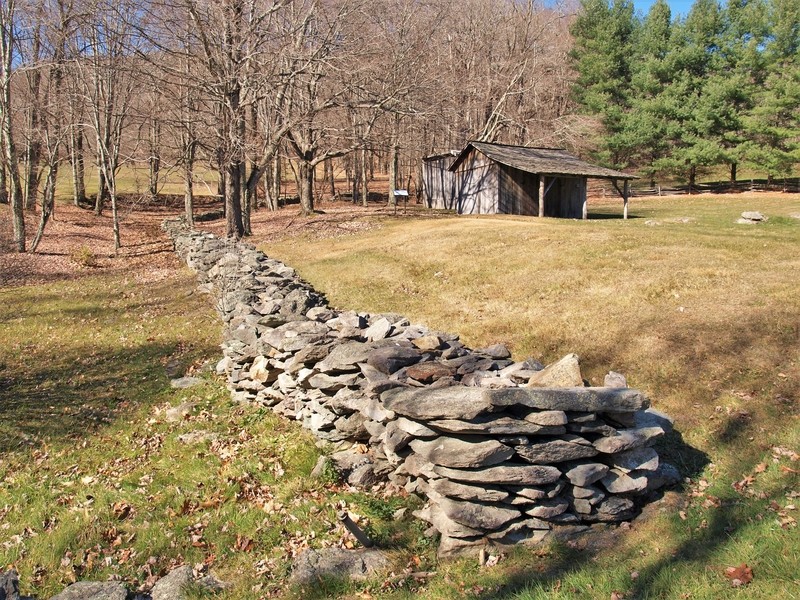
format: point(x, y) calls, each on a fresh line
point(702, 314)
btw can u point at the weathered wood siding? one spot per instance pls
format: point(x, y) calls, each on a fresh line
point(565, 198)
point(519, 192)
point(438, 183)
point(477, 185)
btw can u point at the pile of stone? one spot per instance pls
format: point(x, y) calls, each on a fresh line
point(751, 217)
point(503, 451)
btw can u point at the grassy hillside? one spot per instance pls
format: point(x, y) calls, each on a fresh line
point(97, 480)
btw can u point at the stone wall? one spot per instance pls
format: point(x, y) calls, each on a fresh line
point(504, 452)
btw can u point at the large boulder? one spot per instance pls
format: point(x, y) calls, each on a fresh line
point(93, 590)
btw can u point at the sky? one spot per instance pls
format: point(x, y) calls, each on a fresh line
point(679, 7)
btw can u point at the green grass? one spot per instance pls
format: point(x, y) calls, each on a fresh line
point(95, 482)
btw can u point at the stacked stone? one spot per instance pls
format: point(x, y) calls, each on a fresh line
point(513, 465)
point(504, 451)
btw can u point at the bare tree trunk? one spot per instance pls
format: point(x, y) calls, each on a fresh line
point(233, 201)
point(393, 174)
point(331, 177)
point(33, 146)
point(188, 185)
point(102, 187)
point(78, 170)
point(48, 204)
point(733, 172)
point(155, 156)
point(3, 183)
point(364, 180)
point(276, 182)
point(692, 178)
point(306, 181)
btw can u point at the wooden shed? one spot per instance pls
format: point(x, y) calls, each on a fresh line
point(438, 181)
point(516, 180)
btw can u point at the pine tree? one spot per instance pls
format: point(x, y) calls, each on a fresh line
point(601, 55)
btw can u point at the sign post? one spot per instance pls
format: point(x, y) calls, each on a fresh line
point(401, 194)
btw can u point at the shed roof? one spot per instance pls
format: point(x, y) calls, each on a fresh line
point(547, 161)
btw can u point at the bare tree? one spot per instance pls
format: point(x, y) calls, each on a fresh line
point(8, 43)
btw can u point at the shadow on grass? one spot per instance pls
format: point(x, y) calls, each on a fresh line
point(71, 395)
point(672, 449)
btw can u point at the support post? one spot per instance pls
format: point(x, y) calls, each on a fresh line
point(625, 191)
point(541, 195)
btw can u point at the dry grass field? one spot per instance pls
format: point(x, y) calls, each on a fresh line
point(699, 312)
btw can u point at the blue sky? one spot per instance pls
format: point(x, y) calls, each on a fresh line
point(679, 7)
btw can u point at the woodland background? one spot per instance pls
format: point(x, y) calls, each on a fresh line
point(236, 96)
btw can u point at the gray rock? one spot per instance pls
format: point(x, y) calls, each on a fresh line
point(614, 379)
point(344, 357)
point(428, 343)
point(417, 466)
point(644, 459)
point(444, 403)
point(597, 426)
point(618, 482)
point(172, 586)
point(566, 373)
point(183, 383)
point(93, 590)
point(363, 476)
point(547, 509)
point(352, 427)
point(585, 399)
point(310, 355)
point(379, 330)
point(510, 474)
point(547, 417)
point(462, 452)
point(434, 515)
point(556, 451)
point(495, 425)
point(614, 509)
point(312, 566)
point(332, 383)
point(627, 439)
point(476, 515)
point(320, 313)
point(294, 336)
point(175, 414)
point(586, 474)
point(9, 585)
point(498, 351)
point(392, 358)
point(754, 216)
point(395, 438)
point(590, 493)
point(415, 428)
point(346, 461)
point(665, 475)
point(428, 372)
point(653, 418)
point(452, 489)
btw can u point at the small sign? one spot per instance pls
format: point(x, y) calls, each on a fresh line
point(401, 192)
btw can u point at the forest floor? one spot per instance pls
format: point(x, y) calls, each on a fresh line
point(97, 481)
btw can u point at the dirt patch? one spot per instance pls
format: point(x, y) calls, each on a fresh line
point(78, 243)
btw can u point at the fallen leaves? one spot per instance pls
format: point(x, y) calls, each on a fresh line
point(739, 576)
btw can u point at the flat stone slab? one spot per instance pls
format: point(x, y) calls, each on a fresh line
point(477, 516)
point(491, 425)
point(643, 459)
point(462, 453)
point(183, 383)
point(585, 399)
point(627, 439)
point(557, 451)
point(344, 357)
point(510, 474)
point(93, 590)
point(443, 403)
point(461, 491)
point(312, 566)
point(392, 358)
point(586, 474)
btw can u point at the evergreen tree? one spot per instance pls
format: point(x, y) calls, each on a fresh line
point(601, 55)
point(773, 124)
point(646, 124)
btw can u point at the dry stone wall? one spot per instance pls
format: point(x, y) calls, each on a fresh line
point(503, 451)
